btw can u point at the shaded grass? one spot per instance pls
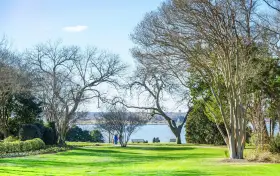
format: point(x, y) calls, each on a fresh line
point(135, 160)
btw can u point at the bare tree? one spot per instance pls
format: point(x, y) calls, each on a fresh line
point(256, 115)
point(122, 122)
point(215, 39)
point(67, 76)
point(13, 80)
point(155, 86)
point(104, 127)
point(274, 4)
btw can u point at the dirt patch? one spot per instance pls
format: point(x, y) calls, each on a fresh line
point(242, 161)
point(234, 161)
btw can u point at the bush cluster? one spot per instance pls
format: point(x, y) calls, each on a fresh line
point(274, 145)
point(21, 146)
point(50, 149)
point(97, 136)
point(49, 136)
point(76, 134)
point(262, 156)
point(29, 131)
point(38, 130)
point(11, 139)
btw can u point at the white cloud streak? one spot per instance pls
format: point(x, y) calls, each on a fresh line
point(78, 28)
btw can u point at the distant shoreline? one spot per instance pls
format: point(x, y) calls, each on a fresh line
point(144, 124)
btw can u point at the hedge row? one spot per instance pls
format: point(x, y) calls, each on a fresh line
point(38, 130)
point(48, 149)
point(21, 146)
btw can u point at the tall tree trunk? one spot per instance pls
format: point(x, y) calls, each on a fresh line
point(236, 146)
point(61, 140)
point(5, 132)
point(62, 136)
point(232, 147)
point(178, 139)
point(178, 135)
point(176, 131)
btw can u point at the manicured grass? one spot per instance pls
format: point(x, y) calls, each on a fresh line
point(135, 160)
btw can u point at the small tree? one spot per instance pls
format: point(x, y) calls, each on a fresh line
point(105, 128)
point(123, 123)
point(12, 81)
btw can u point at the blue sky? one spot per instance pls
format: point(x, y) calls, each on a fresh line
point(105, 24)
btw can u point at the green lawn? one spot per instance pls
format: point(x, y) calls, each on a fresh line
point(135, 160)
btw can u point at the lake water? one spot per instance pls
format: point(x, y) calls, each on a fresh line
point(148, 132)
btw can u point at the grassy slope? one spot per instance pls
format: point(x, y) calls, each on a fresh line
point(135, 160)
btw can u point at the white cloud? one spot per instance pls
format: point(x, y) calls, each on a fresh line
point(77, 28)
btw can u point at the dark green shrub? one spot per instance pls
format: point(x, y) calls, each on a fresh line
point(49, 136)
point(97, 136)
point(76, 134)
point(53, 127)
point(1, 136)
point(41, 127)
point(21, 146)
point(29, 131)
point(274, 144)
point(11, 139)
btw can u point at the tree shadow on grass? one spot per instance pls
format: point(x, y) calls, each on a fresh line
point(159, 148)
point(175, 173)
point(109, 157)
point(133, 155)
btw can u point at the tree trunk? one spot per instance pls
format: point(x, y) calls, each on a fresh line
point(5, 133)
point(109, 137)
point(176, 131)
point(235, 152)
point(62, 137)
point(178, 139)
point(61, 140)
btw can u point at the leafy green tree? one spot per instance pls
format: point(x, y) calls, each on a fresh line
point(201, 130)
point(23, 109)
point(210, 39)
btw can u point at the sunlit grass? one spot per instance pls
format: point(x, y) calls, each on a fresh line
point(135, 160)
